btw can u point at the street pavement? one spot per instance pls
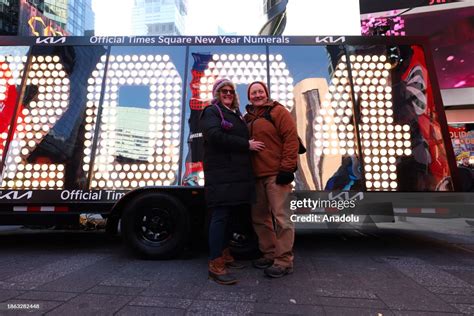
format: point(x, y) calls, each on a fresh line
point(418, 267)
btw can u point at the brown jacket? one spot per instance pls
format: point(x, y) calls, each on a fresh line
point(280, 138)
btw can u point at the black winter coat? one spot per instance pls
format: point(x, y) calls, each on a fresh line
point(227, 166)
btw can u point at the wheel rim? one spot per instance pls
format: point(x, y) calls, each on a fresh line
point(155, 225)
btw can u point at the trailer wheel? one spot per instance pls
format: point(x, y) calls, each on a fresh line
point(155, 225)
point(111, 226)
point(245, 247)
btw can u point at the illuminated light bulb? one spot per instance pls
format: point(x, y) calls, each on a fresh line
point(392, 168)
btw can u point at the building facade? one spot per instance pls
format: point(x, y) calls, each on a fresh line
point(80, 17)
point(46, 17)
point(163, 17)
point(56, 10)
point(9, 14)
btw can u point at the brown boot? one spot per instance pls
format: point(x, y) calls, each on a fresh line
point(218, 272)
point(230, 261)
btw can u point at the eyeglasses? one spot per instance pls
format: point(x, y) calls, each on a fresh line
point(227, 91)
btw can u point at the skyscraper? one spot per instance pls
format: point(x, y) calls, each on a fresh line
point(163, 17)
point(72, 15)
point(9, 14)
point(45, 17)
point(80, 17)
point(37, 18)
point(56, 10)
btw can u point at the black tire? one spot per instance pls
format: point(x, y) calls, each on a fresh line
point(111, 227)
point(245, 247)
point(155, 225)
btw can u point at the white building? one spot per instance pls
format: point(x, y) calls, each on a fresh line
point(132, 130)
point(159, 17)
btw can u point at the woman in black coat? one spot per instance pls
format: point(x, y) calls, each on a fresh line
point(230, 183)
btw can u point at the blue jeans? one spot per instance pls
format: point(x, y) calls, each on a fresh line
point(220, 230)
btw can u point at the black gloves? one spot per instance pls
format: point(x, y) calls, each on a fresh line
point(284, 177)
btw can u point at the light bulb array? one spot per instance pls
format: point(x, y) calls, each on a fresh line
point(10, 69)
point(161, 140)
point(334, 129)
point(245, 69)
point(381, 140)
point(281, 82)
point(239, 68)
point(34, 122)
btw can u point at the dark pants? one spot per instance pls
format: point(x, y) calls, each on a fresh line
point(220, 228)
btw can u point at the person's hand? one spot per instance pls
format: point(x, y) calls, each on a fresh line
point(255, 145)
point(284, 177)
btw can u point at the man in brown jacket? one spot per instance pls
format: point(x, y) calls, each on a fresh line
point(270, 123)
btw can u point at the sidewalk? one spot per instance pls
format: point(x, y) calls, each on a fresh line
point(336, 273)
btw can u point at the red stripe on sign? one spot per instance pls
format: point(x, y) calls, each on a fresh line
point(331, 210)
point(34, 208)
point(61, 209)
point(416, 210)
point(442, 210)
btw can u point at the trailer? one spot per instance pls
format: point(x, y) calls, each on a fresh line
point(109, 125)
